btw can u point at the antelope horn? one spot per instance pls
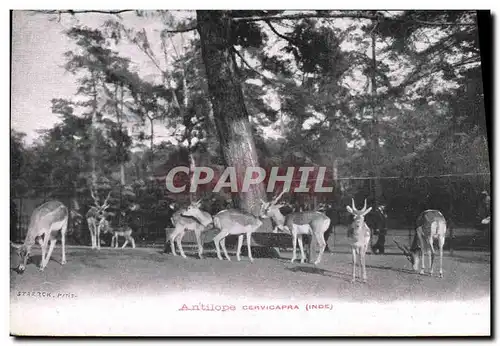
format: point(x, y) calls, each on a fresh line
point(353, 205)
point(96, 200)
point(404, 249)
point(105, 205)
point(75, 213)
point(275, 200)
point(364, 208)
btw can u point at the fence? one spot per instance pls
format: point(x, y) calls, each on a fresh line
point(457, 196)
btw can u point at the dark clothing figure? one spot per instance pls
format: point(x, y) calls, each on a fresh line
point(379, 246)
point(485, 205)
point(484, 210)
point(377, 222)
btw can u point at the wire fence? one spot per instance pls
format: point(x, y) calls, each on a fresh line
point(458, 196)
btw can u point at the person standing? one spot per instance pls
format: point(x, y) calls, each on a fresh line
point(378, 224)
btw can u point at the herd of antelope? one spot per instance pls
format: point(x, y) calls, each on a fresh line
point(52, 217)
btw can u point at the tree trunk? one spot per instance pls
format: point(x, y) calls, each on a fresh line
point(122, 149)
point(93, 134)
point(152, 141)
point(192, 166)
point(375, 188)
point(230, 113)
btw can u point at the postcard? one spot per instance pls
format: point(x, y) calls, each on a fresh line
point(250, 173)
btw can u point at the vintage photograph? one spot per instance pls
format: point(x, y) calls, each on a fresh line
point(250, 173)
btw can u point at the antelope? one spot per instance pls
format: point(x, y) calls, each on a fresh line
point(486, 220)
point(46, 220)
point(229, 222)
point(94, 217)
point(297, 224)
point(183, 223)
point(430, 225)
point(359, 238)
point(125, 231)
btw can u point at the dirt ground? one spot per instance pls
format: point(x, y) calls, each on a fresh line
point(87, 272)
point(148, 272)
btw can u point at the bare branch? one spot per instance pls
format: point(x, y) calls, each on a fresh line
point(176, 31)
point(250, 67)
point(345, 15)
point(273, 29)
point(73, 12)
point(114, 12)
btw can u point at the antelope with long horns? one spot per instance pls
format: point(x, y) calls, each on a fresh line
point(229, 222)
point(297, 224)
point(94, 216)
point(200, 223)
point(359, 238)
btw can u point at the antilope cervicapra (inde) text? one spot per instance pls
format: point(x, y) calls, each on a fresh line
point(359, 238)
point(430, 225)
point(312, 223)
point(230, 222)
point(94, 217)
point(200, 223)
point(46, 221)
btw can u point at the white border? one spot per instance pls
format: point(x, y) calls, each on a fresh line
point(5, 79)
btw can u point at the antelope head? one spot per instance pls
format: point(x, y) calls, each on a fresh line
point(100, 207)
point(194, 211)
point(359, 215)
point(23, 252)
point(411, 254)
point(272, 209)
point(486, 221)
point(76, 218)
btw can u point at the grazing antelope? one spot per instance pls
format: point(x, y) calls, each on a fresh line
point(46, 221)
point(431, 225)
point(297, 224)
point(359, 238)
point(94, 217)
point(231, 221)
point(183, 223)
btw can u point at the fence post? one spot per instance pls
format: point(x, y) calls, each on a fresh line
point(409, 238)
point(451, 241)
